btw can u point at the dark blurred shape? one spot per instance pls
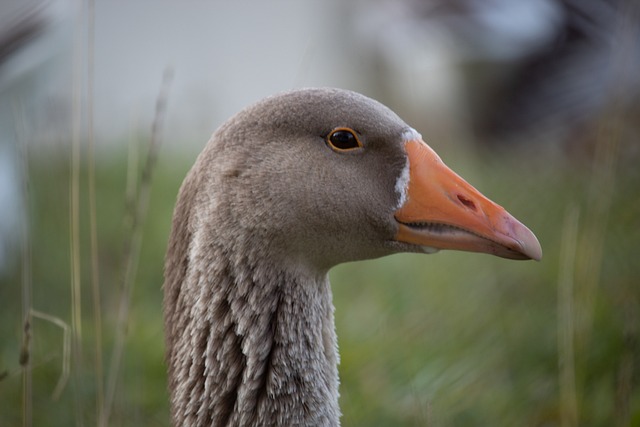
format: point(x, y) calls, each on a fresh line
point(570, 80)
point(20, 22)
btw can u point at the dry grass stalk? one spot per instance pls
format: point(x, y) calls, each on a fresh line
point(66, 350)
point(26, 284)
point(93, 224)
point(566, 328)
point(139, 208)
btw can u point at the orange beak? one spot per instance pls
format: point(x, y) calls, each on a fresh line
point(442, 211)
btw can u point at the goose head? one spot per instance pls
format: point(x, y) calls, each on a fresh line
point(282, 192)
point(324, 176)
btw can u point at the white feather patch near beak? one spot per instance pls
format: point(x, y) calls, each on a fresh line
point(402, 184)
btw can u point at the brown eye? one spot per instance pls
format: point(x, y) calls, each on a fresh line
point(343, 139)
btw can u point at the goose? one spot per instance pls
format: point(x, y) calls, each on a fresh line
point(282, 192)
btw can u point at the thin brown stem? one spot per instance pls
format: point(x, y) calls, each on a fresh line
point(26, 283)
point(566, 327)
point(93, 227)
point(132, 247)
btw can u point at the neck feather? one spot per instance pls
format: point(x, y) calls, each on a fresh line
point(249, 343)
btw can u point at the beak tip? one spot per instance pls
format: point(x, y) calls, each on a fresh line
point(530, 246)
point(535, 253)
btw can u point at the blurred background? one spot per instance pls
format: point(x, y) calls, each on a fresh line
point(105, 105)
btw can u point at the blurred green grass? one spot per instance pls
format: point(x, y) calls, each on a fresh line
point(451, 339)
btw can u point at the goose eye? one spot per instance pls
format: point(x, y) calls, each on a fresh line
point(343, 139)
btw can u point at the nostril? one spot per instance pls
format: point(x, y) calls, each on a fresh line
point(467, 202)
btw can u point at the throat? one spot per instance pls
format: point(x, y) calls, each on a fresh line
point(253, 346)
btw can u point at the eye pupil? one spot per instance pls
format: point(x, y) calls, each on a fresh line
point(344, 140)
